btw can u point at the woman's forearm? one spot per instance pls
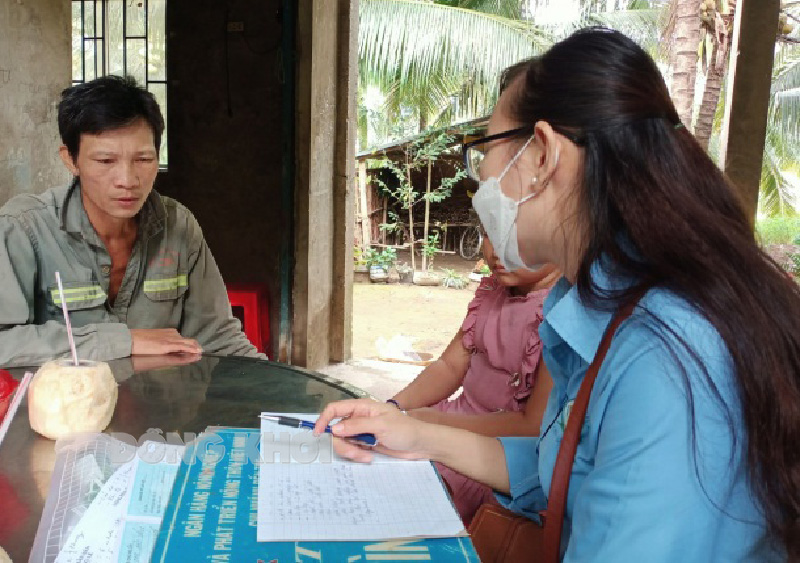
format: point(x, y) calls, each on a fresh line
point(488, 424)
point(435, 383)
point(440, 379)
point(479, 457)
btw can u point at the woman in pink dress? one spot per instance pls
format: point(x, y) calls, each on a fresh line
point(495, 360)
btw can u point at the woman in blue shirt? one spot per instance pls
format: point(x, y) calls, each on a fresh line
point(690, 450)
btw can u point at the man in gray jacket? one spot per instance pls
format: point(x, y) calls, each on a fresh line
point(138, 276)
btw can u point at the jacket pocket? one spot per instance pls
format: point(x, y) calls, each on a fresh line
point(78, 295)
point(166, 288)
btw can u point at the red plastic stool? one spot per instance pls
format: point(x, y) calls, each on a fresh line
point(250, 304)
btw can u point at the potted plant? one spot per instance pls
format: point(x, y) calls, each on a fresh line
point(453, 279)
point(480, 271)
point(405, 272)
point(429, 249)
point(380, 262)
point(360, 265)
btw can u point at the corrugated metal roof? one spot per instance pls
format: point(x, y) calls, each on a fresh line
point(396, 146)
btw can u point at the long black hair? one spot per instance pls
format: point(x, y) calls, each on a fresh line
point(647, 184)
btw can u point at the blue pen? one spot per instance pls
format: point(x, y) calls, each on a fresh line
point(366, 439)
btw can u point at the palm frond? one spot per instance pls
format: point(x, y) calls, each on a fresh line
point(430, 58)
point(786, 68)
point(779, 192)
point(784, 116)
point(506, 8)
point(643, 25)
point(437, 94)
point(396, 40)
point(591, 7)
point(641, 20)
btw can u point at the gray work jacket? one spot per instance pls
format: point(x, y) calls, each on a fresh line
point(171, 281)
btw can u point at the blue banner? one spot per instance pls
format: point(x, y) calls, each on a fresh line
point(212, 515)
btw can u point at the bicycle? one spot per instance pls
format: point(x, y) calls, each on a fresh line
point(469, 247)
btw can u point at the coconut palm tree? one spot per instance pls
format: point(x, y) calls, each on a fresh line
point(780, 179)
point(451, 75)
point(715, 39)
point(447, 74)
point(682, 37)
point(779, 193)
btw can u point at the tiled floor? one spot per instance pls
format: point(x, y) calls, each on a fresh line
point(424, 318)
point(380, 379)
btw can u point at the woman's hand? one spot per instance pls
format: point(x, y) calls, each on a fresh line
point(398, 435)
point(479, 457)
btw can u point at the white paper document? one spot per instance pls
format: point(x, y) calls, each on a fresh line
point(122, 520)
point(322, 497)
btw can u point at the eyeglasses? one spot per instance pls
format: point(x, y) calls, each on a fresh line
point(473, 152)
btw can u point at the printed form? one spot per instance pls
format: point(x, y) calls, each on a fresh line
point(122, 521)
point(308, 493)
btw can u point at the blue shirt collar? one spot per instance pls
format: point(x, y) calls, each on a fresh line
point(567, 319)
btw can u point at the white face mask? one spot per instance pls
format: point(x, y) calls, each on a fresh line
point(498, 214)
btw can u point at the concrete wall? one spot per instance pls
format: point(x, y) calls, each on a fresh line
point(34, 68)
point(269, 180)
point(225, 136)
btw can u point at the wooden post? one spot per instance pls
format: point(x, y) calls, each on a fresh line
point(411, 215)
point(325, 171)
point(341, 316)
point(357, 211)
point(385, 202)
point(366, 230)
point(314, 174)
point(427, 218)
point(744, 128)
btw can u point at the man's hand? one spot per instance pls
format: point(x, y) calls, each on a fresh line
point(158, 341)
point(142, 363)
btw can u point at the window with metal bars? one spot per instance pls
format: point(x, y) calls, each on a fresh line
point(123, 37)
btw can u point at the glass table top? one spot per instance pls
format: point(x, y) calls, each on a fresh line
point(213, 391)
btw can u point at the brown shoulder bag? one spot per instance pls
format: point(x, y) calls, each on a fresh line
point(502, 536)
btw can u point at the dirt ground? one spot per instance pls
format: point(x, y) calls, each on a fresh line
point(430, 316)
point(450, 261)
point(782, 253)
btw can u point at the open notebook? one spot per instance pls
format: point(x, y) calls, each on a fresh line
point(306, 492)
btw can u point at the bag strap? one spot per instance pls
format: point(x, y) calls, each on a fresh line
point(559, 487)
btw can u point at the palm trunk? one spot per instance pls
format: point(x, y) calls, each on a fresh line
point(714, 80)
point(683, 59)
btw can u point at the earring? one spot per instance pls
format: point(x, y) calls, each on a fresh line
point(537, 189)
